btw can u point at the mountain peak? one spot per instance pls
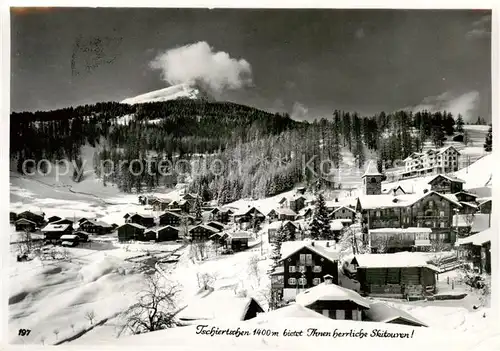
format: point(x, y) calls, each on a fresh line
point(174, 92)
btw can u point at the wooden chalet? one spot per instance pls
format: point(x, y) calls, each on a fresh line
point(343, 212)
point(37, 217)
point(476, 249)
point(282, 214)
point(96, 227)
point(333, 301)
point(149, 235)
point(306, 213)
point(238, 241)
point(83, 237)
point(248, 215)
point(170, 218)
point(12, 217)
point(54, 231)
point(159, 204)
point(142, 219)
point(398, 275)
point(24, 224)
point(304, 264)
point(221, 214)
point(168, 233)
point(70, 239)
point(446, 184)
point(484, 205)
point(201, 232)
point(131, 231)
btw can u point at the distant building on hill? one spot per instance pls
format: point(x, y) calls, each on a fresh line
point(432, 161)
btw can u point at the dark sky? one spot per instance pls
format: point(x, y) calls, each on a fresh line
point(305, 62)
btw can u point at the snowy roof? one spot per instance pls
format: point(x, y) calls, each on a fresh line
point(478, 221)
point(69, 237)
point(170, 213)
point(484, 200)
point(138, 226)
point(382, 312)
point(451, 178)
point(444, 148)
point(394, 260)
point(220, 304)
point(477, 239)
point(371, 170)
point(326, 248)
point(470, 204)
point(405, 200)
point(278, 224)
point(305, 209)
point(336, 224)
point(291, 311)
point(401, 230)
point(345, 208)
point(216, 223)
point(167, 226)
point(284, 211)
point(24, 220)
point(55, 227)
point(240, 235)
point(207, 227)
point(244, 211)
point(330, 292)
point(466, 193)
point(38, 213)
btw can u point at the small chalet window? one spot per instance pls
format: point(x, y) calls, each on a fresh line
point(302, 281)
point(373, 180)
point(377, 213)
point(292, 281)
point(302, 258)
point(441, 213)
point(302, 269)
point(309, 258)
point(442, 224)
point(431, 203)
point(316, 281)
point(317, 269)
point(291, 269)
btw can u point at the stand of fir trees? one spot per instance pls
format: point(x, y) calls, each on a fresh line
point(488, 141)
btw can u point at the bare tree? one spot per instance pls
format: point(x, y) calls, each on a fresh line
point(56, 332)
point(206, 280)
point(253, 268)
point(90, 315)
point(155, 308)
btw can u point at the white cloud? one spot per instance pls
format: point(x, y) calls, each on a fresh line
point(198, 63)
point(465, 104)
point(299, 111)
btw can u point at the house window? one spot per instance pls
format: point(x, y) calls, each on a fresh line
point(302, 258)
point(441, 213)
point(377, 214)
point(324, 313)
point(431, 203)
point(291, 269)
point(302, 281)
point(442, 224)
point(317, 269)
point(340, 314)
point(292, 281)
point(302, 269)
point(316, 281)
point(309, 258)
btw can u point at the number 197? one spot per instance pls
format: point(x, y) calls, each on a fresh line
point(24, 332)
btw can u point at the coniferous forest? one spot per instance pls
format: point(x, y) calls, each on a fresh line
point(229, 150)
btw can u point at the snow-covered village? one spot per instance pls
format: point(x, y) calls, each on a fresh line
point(266, 222)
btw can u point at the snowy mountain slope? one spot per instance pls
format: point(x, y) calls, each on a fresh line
point(180, 91)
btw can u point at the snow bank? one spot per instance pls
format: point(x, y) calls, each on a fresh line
point(101, 267)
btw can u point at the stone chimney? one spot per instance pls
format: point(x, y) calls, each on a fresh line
point(328, 279)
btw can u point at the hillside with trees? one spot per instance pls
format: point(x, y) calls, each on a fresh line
point(228, 151)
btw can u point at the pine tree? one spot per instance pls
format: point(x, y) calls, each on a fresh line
point(460, 124)
point(278, 239)
point(197, 208)
point(488, 141)
point(320, 225)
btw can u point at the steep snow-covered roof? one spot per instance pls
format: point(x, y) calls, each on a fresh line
point(382, 312)
point(394, 260)
point(204, 226)
point(344, 208)
point(138, 226)
point(371, 170)
point(330, 292)
point(240, 235)
point(69, 237)
point(326, 248)
point(279, 224)
point(390, 201)
point(55, 227)
point(449, 177)
point(284, 211)
point(477, 239)
point(220, 304)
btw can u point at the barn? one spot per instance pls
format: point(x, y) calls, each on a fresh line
point(130, 231)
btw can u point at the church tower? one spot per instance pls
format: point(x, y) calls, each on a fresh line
point(372, 180)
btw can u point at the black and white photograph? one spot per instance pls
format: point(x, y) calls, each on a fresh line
point(259, 178)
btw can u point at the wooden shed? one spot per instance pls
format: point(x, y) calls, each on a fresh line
point(130, 231)
point(168, 233)
point(398, 275)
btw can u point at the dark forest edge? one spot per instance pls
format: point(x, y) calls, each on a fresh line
point(269, 149)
